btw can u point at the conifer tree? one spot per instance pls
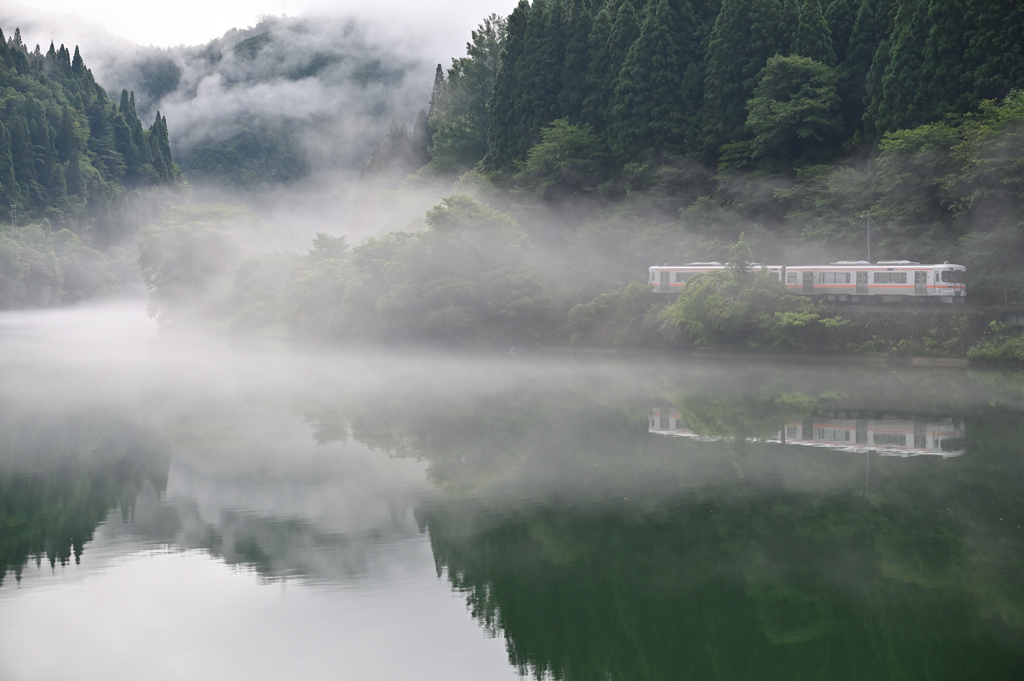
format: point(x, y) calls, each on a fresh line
point(78, 64)
point(502, 145)
point(994, 54)
point(869, 29)
point(813, 36)
point(5, 53)
point(459, 125)
point(598, 44)
point(577, 61)
point(539, 73)
point(420, 138)
point(160, 149)
point(57, 187)
point(790, 25)
point(873, 88)
point(746, 34)
point(73, 177)
point(435, 93)
point(899, 103)
point(648, 110)
point(9, 190)
point(23, 154)
point(624, 32)
point(942, 84)
point(840, 17)
point(138, 136)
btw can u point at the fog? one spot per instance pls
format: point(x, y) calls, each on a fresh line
point(250, 497)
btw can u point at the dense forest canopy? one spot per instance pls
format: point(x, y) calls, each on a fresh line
point(67, 152)
point(79, 174)
point(754, 81)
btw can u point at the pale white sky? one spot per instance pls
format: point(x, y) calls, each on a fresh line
point(428, 26)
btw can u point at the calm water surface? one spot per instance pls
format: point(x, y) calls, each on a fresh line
point(172, 508)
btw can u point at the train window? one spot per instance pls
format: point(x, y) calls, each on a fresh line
point(791, 432)
point(682, 276)
point(791, 278)
point(898, 440)
point(890, 277)
point(953, 276)
point(834, 278)
point(833, 435)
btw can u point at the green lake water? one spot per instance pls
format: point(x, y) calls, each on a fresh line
point(174, 508)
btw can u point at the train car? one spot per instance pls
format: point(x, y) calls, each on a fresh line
point(887, 281)
point(672, 279)
point(883, 434)
point(887, 436)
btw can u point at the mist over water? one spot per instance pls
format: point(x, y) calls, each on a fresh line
point(274, 511)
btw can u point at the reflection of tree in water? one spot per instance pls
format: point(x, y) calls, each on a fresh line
point(60, 476)
point(771, 586)
point(729, 559)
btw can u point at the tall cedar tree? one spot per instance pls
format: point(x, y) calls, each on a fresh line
point(899, 102)
point(790, 25)
point(598, 46)
point(539, 73)
point(459, 118)
point(608, 63)
point(840, 16)
point(941, 84)
point(746, 34)
point(995, 48)
point(10, 192)
point(502, 143)
point(869, 30)
point(813, 36)
point(575, 86)
point(649, 109)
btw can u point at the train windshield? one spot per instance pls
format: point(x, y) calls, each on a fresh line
point(953, 276)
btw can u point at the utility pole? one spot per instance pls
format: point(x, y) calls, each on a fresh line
point(868, 217)
point(869, 236)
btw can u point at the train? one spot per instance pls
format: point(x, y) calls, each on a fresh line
point(886, 281)
point(883, 434)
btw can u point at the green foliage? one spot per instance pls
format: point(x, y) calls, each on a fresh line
point(746, 35)
point(568, 160)
point(614, 319)
point(252, 158)
point(671, 77)
point(400, 152)
point(793, 114)
point(733, 309)
point(40, 268)
point(71, 159)
point(651, 109)
point(466, 280)
point(185, 258)
point(813, 37)
point(458, 113)
point(1004, 345)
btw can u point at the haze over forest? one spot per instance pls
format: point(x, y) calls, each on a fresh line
point(306, 179)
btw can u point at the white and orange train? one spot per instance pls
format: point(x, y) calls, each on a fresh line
point(887, 281)
point(883, 434)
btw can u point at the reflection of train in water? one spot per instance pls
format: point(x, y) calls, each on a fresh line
point(885, 434)
point(887, 281)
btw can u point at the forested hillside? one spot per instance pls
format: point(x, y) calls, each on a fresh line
point(73, 164)
point(763, 84)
